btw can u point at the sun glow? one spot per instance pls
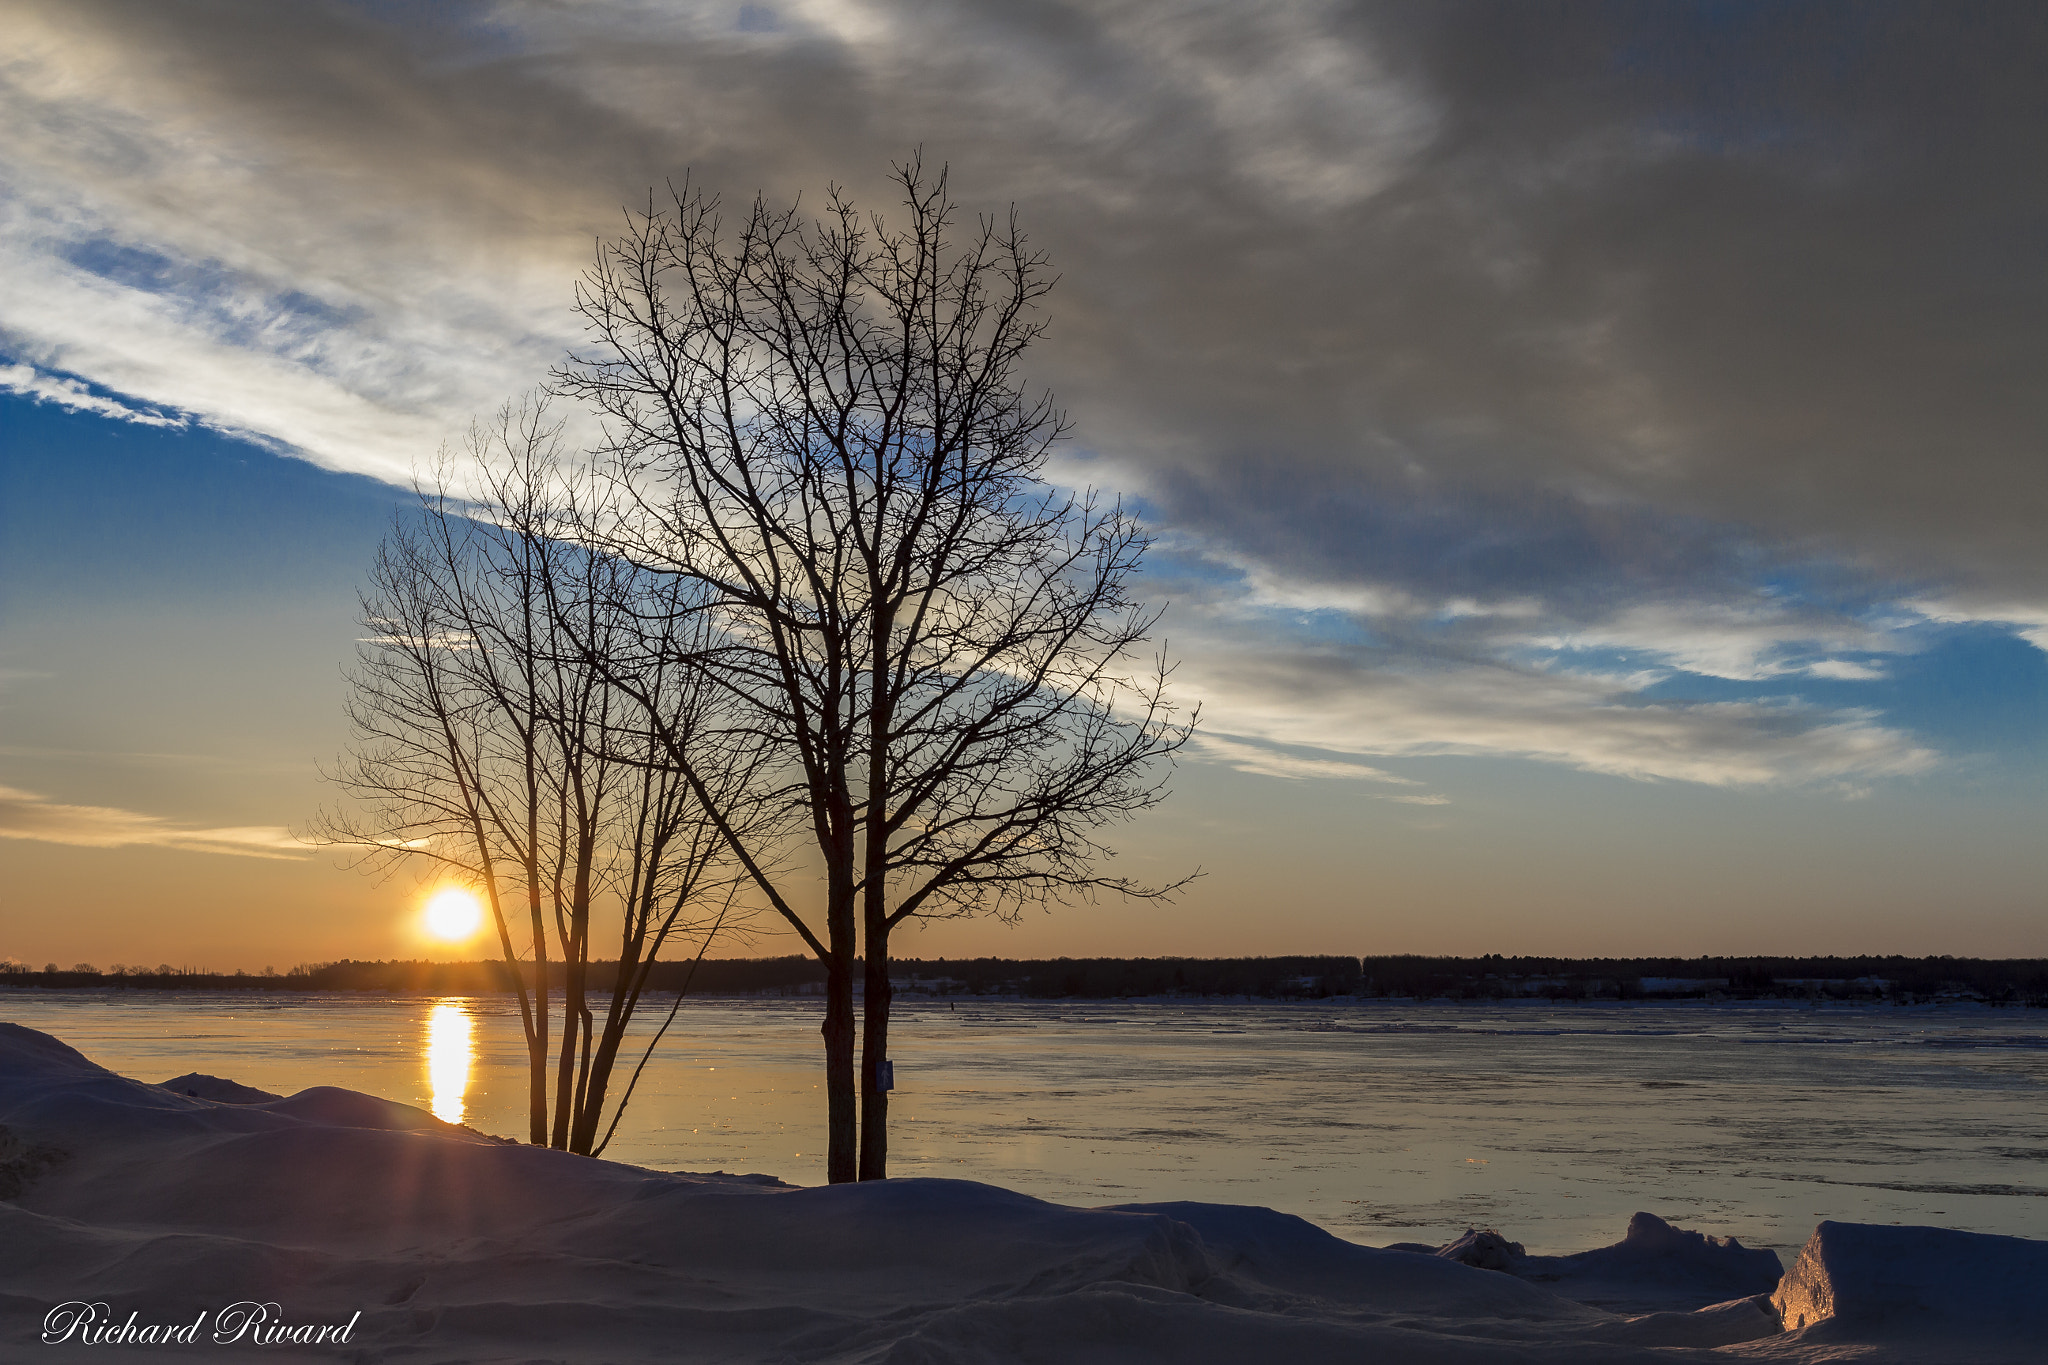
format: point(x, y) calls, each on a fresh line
point(449, 1052)
point(453, 914)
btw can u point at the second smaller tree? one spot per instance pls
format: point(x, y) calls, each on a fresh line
point(489, 741)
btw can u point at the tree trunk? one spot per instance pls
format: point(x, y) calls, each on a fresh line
point(839, 1090)
point(572, 1019)
point(537, 1055)
point(842, 1140)
point(625, 997)
point(874, 909)
point(874, 1050)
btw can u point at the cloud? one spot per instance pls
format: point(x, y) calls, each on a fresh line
point(1602, 259)
point(1267, 762)
point(2027, 620)
point(25, 815)
point(304, 254)
point(1348, 701)
point(349, 236)
point(1379, 669)
point(1739, 640)
point(1495, 362)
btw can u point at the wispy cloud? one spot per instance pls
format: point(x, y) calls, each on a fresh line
point(74, 396)
point(26, 815)
point(1353, 701)
point(1266, 761)
point(1270, 762)
point(1291, 664)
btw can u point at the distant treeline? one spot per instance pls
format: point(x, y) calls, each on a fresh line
point(1905, 979)
point(1100, 978)
point(1998, 980)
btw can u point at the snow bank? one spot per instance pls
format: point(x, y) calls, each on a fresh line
point(433, 1243)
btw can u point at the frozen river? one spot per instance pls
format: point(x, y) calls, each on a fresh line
point(1382, 1121)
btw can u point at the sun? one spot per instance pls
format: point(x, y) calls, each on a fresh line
point(452, 914)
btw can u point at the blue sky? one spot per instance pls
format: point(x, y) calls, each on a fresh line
point(1596, 455)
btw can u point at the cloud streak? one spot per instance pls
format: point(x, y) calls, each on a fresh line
point(1268, 762)
point(26, 815)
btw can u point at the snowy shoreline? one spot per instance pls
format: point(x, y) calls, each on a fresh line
point(452, 1246)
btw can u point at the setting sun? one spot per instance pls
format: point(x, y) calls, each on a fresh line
point(452, 914)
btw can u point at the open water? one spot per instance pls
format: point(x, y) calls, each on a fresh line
point(1381, 1121)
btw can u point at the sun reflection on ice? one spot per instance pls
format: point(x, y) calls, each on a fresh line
point(450, 1051)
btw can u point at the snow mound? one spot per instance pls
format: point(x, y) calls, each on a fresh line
point(334, 1107)
point(213, 1088)
point(1262, 1253)
point(752, 1178)
point(1918, 1290)
point(1656, 1267)
point(25, 1052)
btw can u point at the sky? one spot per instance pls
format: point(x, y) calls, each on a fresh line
point(1595, 451)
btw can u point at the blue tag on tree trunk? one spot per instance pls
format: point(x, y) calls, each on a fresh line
point(885, 1075)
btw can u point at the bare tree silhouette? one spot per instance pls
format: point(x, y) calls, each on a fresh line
point(486, 740)
point(820, 427)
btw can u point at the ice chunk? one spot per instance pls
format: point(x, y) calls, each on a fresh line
point(1858, 1282)
point(1485, 1249)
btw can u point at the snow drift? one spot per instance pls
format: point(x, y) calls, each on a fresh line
point(435, 1243)
point(1654, 1267)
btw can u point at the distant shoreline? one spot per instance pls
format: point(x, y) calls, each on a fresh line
point(908, 997)
point(1894, 980)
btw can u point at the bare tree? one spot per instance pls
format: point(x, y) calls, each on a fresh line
point(485, 741)
point(820, 426)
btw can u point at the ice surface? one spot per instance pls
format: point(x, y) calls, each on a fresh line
point(1381, 1121)
point(456, 1247)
